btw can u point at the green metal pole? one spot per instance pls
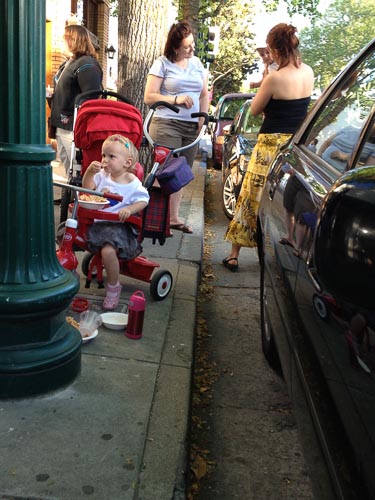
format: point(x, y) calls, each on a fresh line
point(39, 350)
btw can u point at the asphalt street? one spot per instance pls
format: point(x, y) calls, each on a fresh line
point(244, 434)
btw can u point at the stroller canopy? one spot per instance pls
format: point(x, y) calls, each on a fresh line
point(99, 118)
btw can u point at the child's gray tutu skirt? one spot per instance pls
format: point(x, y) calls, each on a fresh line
point(121, 235)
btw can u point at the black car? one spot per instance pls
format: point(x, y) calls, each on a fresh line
point(239, 140)
point(318, 283)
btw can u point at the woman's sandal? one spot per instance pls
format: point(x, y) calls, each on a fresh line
point(112, 297)
point(231, 267)
point(182, 227)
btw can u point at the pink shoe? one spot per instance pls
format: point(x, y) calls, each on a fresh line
point(112, 297)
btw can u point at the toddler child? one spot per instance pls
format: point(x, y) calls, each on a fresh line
point(115, 174)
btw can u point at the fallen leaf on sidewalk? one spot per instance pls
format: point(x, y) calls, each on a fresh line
point(199, 467)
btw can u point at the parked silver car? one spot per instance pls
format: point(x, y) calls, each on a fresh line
point(316, 242)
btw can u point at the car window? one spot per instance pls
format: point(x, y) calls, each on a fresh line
point(251, 124)
point(230, 107)
point(238, 119)
point(366, 156)
point(337, 131)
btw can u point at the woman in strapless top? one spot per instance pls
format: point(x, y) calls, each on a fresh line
point(283, 98)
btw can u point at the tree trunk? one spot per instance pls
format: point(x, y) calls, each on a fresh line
point(142, 30)
point(190, 12)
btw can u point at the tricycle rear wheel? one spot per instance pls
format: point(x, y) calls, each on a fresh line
point(161, 284)
point(85, 266)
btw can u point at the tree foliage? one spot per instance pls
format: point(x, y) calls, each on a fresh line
point(113, 7)
point(307, 8)
point(337, 36)
point(236, 48)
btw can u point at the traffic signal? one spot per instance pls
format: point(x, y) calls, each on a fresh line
point(213, 42)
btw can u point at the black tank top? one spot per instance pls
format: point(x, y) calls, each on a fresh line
point(284, 116)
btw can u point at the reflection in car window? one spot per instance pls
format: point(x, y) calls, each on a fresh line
point(366, 155)
point(337, 130)
point(252, 123)
point(237, 118)
point(245, 123)
point(230, 108)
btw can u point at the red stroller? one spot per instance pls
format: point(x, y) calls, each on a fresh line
point(95, 118)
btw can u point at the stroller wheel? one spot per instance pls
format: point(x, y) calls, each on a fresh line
point(60, 233)
point(85, 266)
point(161, 284)
point(66, 198)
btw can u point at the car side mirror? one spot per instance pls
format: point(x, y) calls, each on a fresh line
point(344, 246)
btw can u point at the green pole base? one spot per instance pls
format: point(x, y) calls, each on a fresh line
point(29, 372)
point(39, 350)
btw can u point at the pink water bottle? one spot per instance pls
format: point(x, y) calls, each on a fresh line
point(136, 313)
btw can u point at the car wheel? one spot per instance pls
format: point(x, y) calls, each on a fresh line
point(268, 342)
point(228, 198)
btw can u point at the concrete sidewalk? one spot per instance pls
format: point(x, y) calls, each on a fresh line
point(119, 431)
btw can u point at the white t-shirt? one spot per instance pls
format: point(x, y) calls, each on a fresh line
point(179, 81)
point(131, 193)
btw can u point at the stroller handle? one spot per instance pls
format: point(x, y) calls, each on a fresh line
point(151, 176)
point(176, 110)
point(165, 104)
point(104, 94)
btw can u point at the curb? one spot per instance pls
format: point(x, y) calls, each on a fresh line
point(165, 457)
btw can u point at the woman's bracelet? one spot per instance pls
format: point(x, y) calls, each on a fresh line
point(175, 100)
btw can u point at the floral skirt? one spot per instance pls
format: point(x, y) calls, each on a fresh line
point(122, 236)
point(242, 229)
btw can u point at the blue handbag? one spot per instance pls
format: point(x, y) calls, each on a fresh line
point(174, 174)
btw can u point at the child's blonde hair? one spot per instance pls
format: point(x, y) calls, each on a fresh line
point(127, 143)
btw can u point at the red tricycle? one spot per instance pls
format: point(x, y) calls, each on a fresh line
point(73, 238)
